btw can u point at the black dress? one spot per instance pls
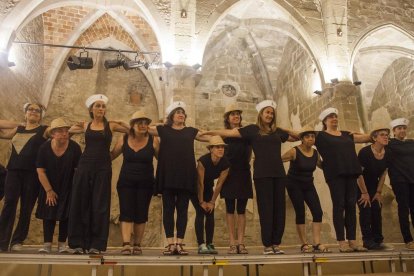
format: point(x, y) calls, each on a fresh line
point(91, 193)
point(21, 183)
point(238, 184)
point(59, 171)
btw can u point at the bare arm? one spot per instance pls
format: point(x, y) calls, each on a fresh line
point(319, 162)
point(4, 124)
point(153, 130)
point(219, 185)
point(117, 150)
point(293, 135)
point(362, 138)
point(224, 132)
point(290, 155)
point(156, 145)
point(119, 127)
point(7, 133)
point(51, 196)
point(201, 137)
point(77, 128)
point(364, 199)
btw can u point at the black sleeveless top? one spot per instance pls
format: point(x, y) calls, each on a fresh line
point(137, 168)
point(25, 145)
point(302, 168)
point(97, 143)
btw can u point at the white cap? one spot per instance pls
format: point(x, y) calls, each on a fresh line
point(264, 104)
point(326, 112)
point(175, 105)
point(94, 98)
point(399, 122)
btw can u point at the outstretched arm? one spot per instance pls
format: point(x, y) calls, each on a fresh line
point(362, 138)
point(290, 155)
point(119, 126)
point(153, 130)
point(224, 132)
point(77, 128)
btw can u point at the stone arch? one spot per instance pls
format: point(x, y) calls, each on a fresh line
point(293, 25)
point(62, 55)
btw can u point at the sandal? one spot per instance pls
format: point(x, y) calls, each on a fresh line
point(320, 248)
point(232, 249)
point(242, 249)
point(126, 249)
point(136, 250)
point(306, 248)
point(170, 250)
point(344, 247)
point(180, 249)
point(358, 248)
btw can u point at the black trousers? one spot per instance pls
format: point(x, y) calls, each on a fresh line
point(231, 205)
point(404, 195)
point(370, 221)
point(23, 185)
point(301, 192)
point(175, 200)
point(344, 191)
point(49, 229)
point(203, 221)
point(271, 204)
point(88, 225)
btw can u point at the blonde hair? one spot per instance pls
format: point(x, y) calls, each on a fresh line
point(263, 130)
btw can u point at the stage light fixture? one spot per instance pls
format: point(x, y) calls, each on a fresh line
point(357, 83)
point(318, 92)
point(196, 66)
point(334, 81)
point(168, 64)
point(132, 64)
point(80, 62)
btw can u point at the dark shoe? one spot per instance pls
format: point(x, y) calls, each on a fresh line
point(78, 251)
point(211, 249)
point(320, 248)
point(372, 245)
point(277, 250)
point(94, 251)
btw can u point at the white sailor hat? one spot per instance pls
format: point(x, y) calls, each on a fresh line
point(399, 122)
point(175, 105)
point(94, 98)
point(326, 112)
point(264, 104)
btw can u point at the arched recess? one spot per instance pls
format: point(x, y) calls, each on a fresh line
point(60, 58)
point(290, 22)
point(26, 8)
point(375, 51)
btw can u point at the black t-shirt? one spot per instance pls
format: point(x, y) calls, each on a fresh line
point(25, 145)
point(176, 160)
point(212, 172)
point(372, 168)
point(400, 160)
point(302, 168)
point(338, 155)
point(266, 148)
point(238, 152)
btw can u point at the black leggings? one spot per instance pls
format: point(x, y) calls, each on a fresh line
point(200, 225)
point(344, 191)
point(301, 192)
point(270, 192)
point(231, 205)
point(49, 229)
point(171, 200)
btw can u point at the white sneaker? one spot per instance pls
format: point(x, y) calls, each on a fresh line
point(63, 249)
point(17, 247)
point(386, 247)
point(47, 248)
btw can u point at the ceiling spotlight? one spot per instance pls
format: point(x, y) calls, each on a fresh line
point(113, 63)
point(183, 13)
point(11, 64)
point(318, 92)
point(334, 81)
point(80, 62)
point(357, 83)
point(196, 66)
point(168, 64)
point(147, 65)
point(339, 32)
point(132, 64)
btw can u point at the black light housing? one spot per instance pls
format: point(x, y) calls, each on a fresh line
point(113, 63)
point(357, 83)
point(132, 64)
point(80, 62)
point(334, 81)
point(318, 92)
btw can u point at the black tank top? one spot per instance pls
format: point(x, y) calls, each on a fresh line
point(302, 168)
point(25, 145)
point(97, 144)
point(137, 166)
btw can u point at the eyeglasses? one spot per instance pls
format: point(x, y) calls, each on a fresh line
point(99, 105)
point(235, 113)
point(33, 110)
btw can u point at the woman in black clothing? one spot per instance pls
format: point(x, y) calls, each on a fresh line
point(237, 188)
point(341, 169)
point(56, 163)
point(401, 171)
point(176, 173)
point(91, 192)
point(136, 180)
point(303, 160)
point(269, 174)
point(210, 166)
point(21, 181)
point(374, 170)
